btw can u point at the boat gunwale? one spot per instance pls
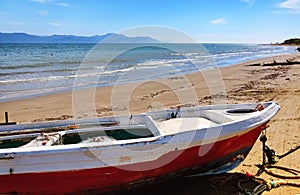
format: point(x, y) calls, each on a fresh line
point(72, 131)
point(269, 112)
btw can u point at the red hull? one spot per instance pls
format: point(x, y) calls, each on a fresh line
point(116, 178)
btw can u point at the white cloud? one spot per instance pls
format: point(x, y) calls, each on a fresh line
point(62, 4)
point(40, 1)
point(219, 21)
point(43, 12)
point(55, 23)
point(290, 4)
point(248, 2)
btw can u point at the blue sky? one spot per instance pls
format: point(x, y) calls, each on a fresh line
point(235, 21)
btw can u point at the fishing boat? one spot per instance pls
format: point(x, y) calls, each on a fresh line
point(121, 152)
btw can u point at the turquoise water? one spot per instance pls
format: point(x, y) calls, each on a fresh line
point(37, 69)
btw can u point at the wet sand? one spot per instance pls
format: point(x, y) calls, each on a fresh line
point(270, 79)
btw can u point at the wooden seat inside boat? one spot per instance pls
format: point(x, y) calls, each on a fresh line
point(176, 125)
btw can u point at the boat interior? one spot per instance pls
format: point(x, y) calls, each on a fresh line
point(111, 129)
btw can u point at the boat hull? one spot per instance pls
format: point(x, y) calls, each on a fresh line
point(222, 156)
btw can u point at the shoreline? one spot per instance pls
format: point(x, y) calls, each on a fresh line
point(13, 88)
point(231, 79)
point(250, 81)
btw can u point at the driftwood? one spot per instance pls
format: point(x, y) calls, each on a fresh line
point(275, 63)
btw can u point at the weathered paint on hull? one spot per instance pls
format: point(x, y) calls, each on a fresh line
point(116, 178)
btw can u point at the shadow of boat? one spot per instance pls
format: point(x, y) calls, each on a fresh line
point(224, 184)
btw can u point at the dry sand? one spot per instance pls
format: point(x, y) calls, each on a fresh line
point(252, 81)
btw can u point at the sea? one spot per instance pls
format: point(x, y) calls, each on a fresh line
point(29, 70)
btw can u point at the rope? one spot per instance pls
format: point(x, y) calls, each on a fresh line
point(266, 167)
point(269, 159)
point(263, 185)
point(272, 159)
point(271, 155)
point(289, 152)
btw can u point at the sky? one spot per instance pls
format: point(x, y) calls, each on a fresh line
point(214, 21)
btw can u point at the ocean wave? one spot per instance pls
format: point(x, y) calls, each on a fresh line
point(38, 65)
point(30, 80)
point(36, 74)
point(88, 72)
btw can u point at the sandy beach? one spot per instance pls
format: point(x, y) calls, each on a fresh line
point(269, 79)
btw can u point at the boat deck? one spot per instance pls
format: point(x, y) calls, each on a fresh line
point(176, 125)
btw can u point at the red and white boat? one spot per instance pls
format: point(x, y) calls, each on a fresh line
point(113, 153)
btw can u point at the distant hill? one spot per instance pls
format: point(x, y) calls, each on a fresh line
point(294, 41)
point(107, 38)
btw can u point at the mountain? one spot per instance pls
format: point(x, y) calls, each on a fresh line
point(294, 41)
point(106, 38)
